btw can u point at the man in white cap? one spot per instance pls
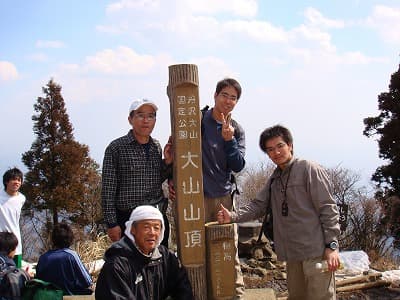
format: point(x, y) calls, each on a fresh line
point(133, 169)
point(138, 267)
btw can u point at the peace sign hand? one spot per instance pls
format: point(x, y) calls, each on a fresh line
point(227, 128)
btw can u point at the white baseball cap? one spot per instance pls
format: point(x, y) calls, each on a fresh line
point(136, 104)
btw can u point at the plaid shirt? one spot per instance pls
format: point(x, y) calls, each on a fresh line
point(130, 177)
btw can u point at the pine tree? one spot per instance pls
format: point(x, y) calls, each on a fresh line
point(61, 176)
point(387, 127)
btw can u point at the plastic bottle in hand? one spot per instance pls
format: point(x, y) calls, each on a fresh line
point(324, 266)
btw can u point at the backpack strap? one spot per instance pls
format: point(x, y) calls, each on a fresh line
point(235, 190)
point(268, 221)
point(3, 264)
point(36, 282)
point(203, 111)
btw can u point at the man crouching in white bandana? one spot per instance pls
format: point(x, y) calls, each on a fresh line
point(138, 267)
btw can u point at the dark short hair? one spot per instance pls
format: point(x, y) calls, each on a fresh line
point(275, 131)
point(62, 236)
point(12, 174)
point(229, 82)
point(8, 242)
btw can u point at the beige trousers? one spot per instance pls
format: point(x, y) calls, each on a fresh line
point(306, 282)
point(211, 207)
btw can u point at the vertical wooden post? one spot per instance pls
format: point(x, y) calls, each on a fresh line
point(183, 93)
point(220, 261)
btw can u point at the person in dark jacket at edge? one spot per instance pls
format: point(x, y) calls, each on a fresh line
point(138, 267)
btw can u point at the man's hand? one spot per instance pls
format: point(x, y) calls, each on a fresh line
point(332, 259)
point(171, 190)
point(114, 233)
point(223, 215)
point(227, 128)
point(168, 152)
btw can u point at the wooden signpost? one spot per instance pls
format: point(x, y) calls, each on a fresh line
point(193, 249)
point(220, 261)
point(183, 93)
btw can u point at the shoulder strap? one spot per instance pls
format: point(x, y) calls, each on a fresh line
point(4, 268)
point(235, 190)
point(3, 264)
point(35, 283)
point(268, 213)
point(203, 111)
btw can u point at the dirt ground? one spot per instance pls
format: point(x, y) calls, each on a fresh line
point(375, 293)
point(261, 270)
point(279, 286)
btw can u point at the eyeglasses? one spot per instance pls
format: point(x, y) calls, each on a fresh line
point(227, 96)
point(141, 116)
point(278, 147)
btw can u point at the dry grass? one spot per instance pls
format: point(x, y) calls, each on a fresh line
point(92, 250)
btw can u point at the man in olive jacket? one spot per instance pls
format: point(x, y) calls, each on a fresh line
point(305, 217)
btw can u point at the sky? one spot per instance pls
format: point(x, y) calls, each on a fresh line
point(316, 67)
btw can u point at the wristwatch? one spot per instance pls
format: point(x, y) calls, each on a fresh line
point(332, 245)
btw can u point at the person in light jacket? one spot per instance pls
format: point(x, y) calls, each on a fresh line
point(305, 217)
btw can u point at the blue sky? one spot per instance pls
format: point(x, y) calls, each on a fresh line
point(316, 67)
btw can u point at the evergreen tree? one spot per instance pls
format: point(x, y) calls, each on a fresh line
point(387, 127)
point(61, 176)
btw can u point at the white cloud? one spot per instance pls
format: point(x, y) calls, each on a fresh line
point(203, 26)
point(331, 59)
point(315, 18)
point(49, 44)
point(132, 4)
point(69, 67)
point(260, 31)
point(8, 71)
point(121, 61)
point(243, 8)
point(39, 57)
point(386, 20)
point(314, 36)
point(359, 58)
point(113, 29)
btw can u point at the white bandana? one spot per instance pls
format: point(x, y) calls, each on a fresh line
point(144, 212)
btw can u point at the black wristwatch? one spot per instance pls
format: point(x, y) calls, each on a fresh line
point(332, 245)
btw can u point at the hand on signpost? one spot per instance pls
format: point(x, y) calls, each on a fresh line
point(223, 215)
point(114, 233)
point(171, 190)
point(169, 152)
